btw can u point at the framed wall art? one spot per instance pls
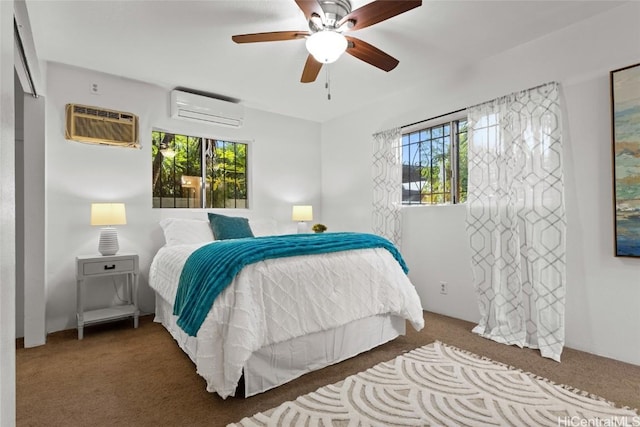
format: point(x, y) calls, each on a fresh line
point(625, 125)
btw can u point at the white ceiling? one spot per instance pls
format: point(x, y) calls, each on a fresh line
point(187, 44)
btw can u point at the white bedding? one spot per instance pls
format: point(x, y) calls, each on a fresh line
point(280, 299)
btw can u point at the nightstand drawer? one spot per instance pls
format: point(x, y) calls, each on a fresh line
point(105, 267)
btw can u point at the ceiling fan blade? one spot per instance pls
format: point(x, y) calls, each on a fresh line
point(310, 8)
point(378, 11)
point(311, 70)
point(371, 54)
point(269, 37)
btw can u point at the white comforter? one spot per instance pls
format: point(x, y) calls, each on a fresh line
point(280, 299)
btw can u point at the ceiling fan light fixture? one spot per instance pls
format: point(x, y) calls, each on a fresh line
point(326, 46)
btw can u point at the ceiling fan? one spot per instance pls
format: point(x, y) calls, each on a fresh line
point(328, 20)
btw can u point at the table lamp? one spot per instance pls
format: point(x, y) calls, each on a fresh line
point(302, 214)
point(108, 215)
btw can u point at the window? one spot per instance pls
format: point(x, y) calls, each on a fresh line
point(195, 172)
point(434, 164)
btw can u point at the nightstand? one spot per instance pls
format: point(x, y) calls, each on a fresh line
point(91, 266)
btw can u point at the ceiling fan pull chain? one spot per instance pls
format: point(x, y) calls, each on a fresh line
point(327, 84)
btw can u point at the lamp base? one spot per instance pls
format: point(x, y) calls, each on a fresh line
point(303, 227)
point(108, 241)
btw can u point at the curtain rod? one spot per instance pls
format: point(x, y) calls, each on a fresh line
point(463, 109)
point(519, 91)
point(432, 118)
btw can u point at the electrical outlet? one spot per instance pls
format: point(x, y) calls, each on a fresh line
point(95, 89)
point(444, 287)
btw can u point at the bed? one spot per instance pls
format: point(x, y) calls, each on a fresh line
point(283, 317)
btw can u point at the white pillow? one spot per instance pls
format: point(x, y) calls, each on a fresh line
point(263, 227)
point(180, 231)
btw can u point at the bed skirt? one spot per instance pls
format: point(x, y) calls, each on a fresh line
point(280, 363)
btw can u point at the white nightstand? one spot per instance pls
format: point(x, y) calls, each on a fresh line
point(88, 266)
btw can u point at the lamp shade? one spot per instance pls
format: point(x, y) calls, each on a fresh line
point(326, 46)
point(168, 152)
point(302, 213)
point(108, 214)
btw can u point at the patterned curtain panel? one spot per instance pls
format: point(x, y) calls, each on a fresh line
point(387, 184)
point(516, 218)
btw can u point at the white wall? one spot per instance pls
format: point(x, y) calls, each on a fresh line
point(603, 292)
point(7, 220)
point(284, 170)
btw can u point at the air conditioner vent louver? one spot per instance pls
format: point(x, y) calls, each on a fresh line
point(96, 112)
point(101, 126)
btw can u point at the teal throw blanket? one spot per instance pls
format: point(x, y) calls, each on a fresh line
point(211, 268)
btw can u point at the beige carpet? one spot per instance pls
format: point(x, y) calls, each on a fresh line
point(442, 385)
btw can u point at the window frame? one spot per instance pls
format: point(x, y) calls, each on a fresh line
point(452, 120)
point(248, 174)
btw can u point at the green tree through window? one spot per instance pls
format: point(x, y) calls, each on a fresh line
point(434, 164)
point(196, 172)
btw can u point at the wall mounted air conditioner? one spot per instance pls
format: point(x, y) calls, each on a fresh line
point(189, 106)
point(96, 125)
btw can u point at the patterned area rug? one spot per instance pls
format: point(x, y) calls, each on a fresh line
point(439, 385)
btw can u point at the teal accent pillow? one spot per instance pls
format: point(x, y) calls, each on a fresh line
point(229, 227)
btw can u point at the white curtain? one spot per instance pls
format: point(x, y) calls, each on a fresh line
point(516, 218)
point(387, 184)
